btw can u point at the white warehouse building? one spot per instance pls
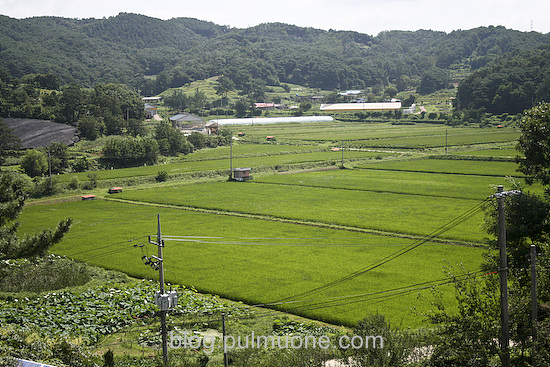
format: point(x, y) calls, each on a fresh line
point(213, 125)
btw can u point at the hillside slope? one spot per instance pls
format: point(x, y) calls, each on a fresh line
point(129, 48)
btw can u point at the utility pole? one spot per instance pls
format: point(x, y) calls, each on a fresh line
point(231, 159)
point(503, 271)
point(164, 330)
point(225, 359)
point(446, 140)
point(533, 304)
point(342, 154)
point(50, 164)
point(165, 301)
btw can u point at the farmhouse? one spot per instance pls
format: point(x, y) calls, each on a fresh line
point(187, 122)
point(342, 107)
point(410, 110)
point(150, 110)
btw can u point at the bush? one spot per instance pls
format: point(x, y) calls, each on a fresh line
point(34, 163)
point(43, 275)
point(161, 176)
point(92, 181)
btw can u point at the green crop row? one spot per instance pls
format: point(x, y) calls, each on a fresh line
point(463, 167)
point(221, 164)
point(412, 214)
point(395, 181)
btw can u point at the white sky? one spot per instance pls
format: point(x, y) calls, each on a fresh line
point(365, 16)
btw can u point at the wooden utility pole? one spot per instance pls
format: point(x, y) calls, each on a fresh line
point(503, 271)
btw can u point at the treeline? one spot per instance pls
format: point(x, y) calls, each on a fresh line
point(510, 84)
point(40, 96)
point(151, 55)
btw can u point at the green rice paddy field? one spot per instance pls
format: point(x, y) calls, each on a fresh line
point(333, 245)
point(258, 261)
point(252, 243)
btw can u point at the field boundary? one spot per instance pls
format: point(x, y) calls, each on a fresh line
point(298, 222)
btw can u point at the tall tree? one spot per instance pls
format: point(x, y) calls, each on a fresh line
point(11, 246)
point(534, 143)
point(8, 140)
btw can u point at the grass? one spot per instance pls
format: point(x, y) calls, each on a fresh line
point(281, 235)
point(253, 260)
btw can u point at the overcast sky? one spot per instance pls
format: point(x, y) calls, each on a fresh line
point(365, 16)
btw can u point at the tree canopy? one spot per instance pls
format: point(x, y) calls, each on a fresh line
point(11, 246)
point(534, 144)
point(511, 84)
point(129, 48)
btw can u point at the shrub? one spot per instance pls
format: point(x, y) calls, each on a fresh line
point(161, 176)
point(34, 163)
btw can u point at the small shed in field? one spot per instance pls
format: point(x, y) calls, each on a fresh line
point(242, 174)
point(115, 190)
point(88, 197)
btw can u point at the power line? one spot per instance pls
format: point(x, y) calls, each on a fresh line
point(446, 227)
point(347, 300)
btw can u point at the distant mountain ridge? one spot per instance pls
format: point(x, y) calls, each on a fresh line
point(152, 54)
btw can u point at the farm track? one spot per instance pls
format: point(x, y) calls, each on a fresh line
point(298, 222)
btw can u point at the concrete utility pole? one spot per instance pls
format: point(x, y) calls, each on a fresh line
point(164, 329)
point(231, 159)
point(534, 304)
point(165, 301)
point(225, 359)
point(503, 271)
point(342, 154)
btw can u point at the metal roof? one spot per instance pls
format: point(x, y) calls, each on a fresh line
point(269, 120)
point(183, 117)
point(383, 106)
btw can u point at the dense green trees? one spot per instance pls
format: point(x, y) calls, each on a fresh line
point(534, 144)
point(511, 84)
point(171, 141)
point(122, 49)
point(111, 109)
point(125, 151)
point(434, 80)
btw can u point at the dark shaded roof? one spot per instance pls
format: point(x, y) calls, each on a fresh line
point(40, 133)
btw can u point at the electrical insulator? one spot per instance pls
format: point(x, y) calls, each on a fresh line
point(173, 299)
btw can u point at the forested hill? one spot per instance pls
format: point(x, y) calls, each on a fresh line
point(131, 48)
